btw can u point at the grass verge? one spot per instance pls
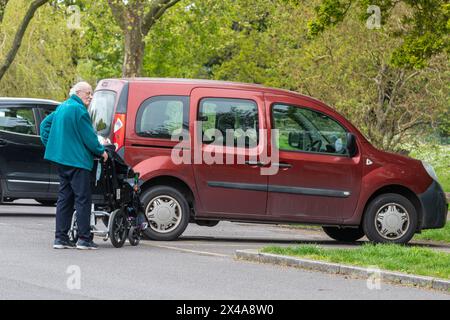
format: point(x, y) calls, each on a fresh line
point(412, 260)
point(438, 235)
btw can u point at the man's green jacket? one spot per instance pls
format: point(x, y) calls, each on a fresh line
point(69, 137)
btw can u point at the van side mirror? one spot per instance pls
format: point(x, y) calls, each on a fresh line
point(294, 139)
point(352, 147)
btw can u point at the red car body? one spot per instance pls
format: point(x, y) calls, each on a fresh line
point(308, 186)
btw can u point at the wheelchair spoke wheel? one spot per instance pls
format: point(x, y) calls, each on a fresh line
point(119, 229)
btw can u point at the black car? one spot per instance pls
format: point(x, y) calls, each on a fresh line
point(23, 171)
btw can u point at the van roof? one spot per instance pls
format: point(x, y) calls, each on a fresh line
point(214, 83)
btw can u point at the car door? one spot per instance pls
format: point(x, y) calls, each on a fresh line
point(318, 181)
point(22, 163)
point(226, 169)
point(53, 187)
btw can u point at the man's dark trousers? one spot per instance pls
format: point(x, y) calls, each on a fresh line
point(74, 191)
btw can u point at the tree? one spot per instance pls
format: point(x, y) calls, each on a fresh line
point(19, 33)
point(347, 66)
point(136, 18)
point(190, 40)
point(102, 42)
point(46, 64)
point(3, 4)
point(424, 27)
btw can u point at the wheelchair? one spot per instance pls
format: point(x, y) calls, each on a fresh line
point(115, 202)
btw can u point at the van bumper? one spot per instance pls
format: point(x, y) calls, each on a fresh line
point(434, 207)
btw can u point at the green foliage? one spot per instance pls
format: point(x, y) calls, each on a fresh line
point(425, 26)
point(330, 12)
point(102, 42)
point(413, 260)
point(188, 39)
point(345, 64)
point(44, 66)
point(438, 156)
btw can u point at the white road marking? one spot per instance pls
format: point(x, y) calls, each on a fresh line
point(189, 251)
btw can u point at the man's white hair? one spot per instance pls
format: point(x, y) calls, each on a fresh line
point(79, 86)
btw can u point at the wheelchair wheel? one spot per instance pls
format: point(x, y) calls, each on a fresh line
point(133, 236)
point(119, 228)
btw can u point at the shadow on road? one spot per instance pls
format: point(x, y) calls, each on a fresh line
point(27, 215)
point(301, 242)
point(13, 204)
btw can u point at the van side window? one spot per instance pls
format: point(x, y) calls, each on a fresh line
point(163, 116)
point(18, 120)
point(302, 129)
point(229, 122)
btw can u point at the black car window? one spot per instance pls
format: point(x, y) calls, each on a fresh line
point(46, 112)
point(17, 120)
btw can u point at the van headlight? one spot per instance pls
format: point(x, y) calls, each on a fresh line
point(430, 170)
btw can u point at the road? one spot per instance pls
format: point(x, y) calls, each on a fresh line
point(200, 265)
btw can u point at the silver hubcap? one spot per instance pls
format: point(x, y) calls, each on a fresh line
point(163, 213)
point(392, 221)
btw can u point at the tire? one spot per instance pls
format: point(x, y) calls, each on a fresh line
point(344, 234)
point(48, 203)
point(167, 211)
point(119, 229)
point(133, 236)
point(390, 218)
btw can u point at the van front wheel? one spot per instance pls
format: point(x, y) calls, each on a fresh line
point(167, 211)
point(390, 218)
point(344, 234)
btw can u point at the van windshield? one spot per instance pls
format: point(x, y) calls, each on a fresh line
point(102, 111)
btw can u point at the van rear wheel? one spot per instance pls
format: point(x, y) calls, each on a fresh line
point(344, 234)
point(167, 211)
point(390, 218)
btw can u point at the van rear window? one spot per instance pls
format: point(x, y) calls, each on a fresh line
point(102, 111)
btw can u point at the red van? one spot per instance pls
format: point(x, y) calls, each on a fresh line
point(299, 161)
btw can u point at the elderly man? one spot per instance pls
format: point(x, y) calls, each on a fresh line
point(71, 143)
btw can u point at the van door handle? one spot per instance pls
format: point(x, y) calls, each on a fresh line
point(283, 165)
point(3, 142)
point(255, 163)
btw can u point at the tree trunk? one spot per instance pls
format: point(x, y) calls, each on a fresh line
point(134, 53)
point(136, 19)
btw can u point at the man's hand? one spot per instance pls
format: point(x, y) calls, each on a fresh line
point(105, 156)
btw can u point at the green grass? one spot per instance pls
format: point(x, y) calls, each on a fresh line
point(412, 260)
point(440, 235)
point(444, 178)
